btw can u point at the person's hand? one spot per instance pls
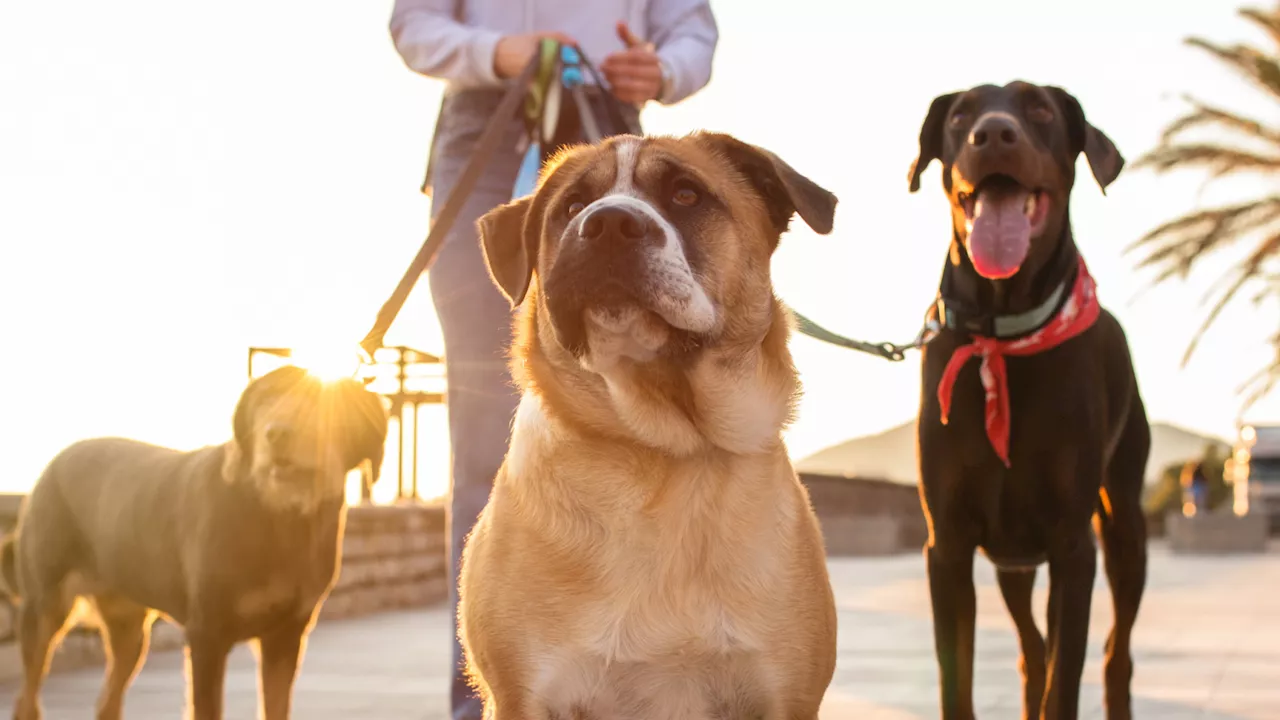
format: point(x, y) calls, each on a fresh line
point(514, 52)
point(635, 74)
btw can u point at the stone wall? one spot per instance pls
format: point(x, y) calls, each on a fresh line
point(1217, 533)
point(863, 516)
point(393, 558)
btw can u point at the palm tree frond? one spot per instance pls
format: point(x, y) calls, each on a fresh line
point(1247, 61)
point(1219, 160)
point(1269, 21)
point(1248, 269)
point(1189, 237)
point(1258, 386)
point(1248, 146)
point(1262, 382)
point(1202, 115)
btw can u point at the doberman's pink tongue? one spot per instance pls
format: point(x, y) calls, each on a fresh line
point(999, 232)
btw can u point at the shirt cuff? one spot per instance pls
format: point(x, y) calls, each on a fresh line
point(664, 91)
point(482, 47)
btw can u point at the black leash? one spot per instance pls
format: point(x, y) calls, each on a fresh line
point(485, 147)
point(888, 351)
point(483, 152)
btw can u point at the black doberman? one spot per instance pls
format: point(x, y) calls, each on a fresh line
point(1047, 430)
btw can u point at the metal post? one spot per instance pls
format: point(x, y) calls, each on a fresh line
point(416, 414)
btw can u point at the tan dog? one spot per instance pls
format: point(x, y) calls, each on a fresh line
point(232, 542)
point(648, 551)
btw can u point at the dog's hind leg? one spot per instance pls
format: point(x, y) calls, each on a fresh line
point(42, 620)
point(126, 632)
point(1122, 529)
point(1016, 587)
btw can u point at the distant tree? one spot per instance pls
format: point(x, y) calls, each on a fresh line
point(1246, 146)
point(1166, 495)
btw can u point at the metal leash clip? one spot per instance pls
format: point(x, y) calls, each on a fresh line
point(888, 351)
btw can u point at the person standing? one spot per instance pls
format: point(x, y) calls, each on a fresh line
point(647, 50)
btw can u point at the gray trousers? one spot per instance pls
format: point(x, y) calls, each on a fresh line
point(476, 322)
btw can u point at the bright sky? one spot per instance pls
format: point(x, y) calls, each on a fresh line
point(183, 180)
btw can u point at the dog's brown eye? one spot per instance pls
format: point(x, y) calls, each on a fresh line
point(1040, 114)
point(574, 208)
point(685, 196)
point(957, 117)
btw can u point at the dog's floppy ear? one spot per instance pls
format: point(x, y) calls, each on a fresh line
point(786, 191)
point(282, 379)
point(1104, 159)
point(242, 419)
point(364, 427)
point(510, 244)
point(931, 138)
point(240, 450)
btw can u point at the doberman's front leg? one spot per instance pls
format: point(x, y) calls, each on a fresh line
point(1072, 567)
point(954, 608)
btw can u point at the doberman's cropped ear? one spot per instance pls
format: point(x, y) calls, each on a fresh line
point(931, 138)
point(785, 190)
point(509, 239)
point(1104, 159)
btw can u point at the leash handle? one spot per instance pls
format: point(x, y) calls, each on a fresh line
point(611, 101)
point(571, 78)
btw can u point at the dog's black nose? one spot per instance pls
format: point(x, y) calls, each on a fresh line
point(995, 131)
point(614, 221)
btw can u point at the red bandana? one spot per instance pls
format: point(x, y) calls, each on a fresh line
point(1078, 314)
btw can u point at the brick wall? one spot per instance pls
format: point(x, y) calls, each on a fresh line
point(865, 516)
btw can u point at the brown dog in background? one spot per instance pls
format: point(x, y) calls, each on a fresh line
point(233, 542)
point(1074, 433)
point(648, 551)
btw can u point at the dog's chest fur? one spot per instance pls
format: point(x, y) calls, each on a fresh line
point(654, 640)
point(668, 618)
point(283, 570)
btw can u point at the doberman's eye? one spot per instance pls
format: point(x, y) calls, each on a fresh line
point(1040, 114)
point(685, 194)
point(958, 117)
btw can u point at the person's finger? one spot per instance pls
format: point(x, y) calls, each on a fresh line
point(646, 87)
point(641, 72)
point(628, 97)
point(627, 37)
point(559, 37)
point(635, 55)
point(635, 90)
point(638, 60)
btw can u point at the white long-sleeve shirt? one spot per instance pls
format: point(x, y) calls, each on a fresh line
point(454, 40)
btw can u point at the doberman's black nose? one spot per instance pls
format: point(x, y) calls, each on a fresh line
point(614, 221)
point(995, 131)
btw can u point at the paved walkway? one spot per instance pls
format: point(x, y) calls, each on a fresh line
point(1207, 646)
